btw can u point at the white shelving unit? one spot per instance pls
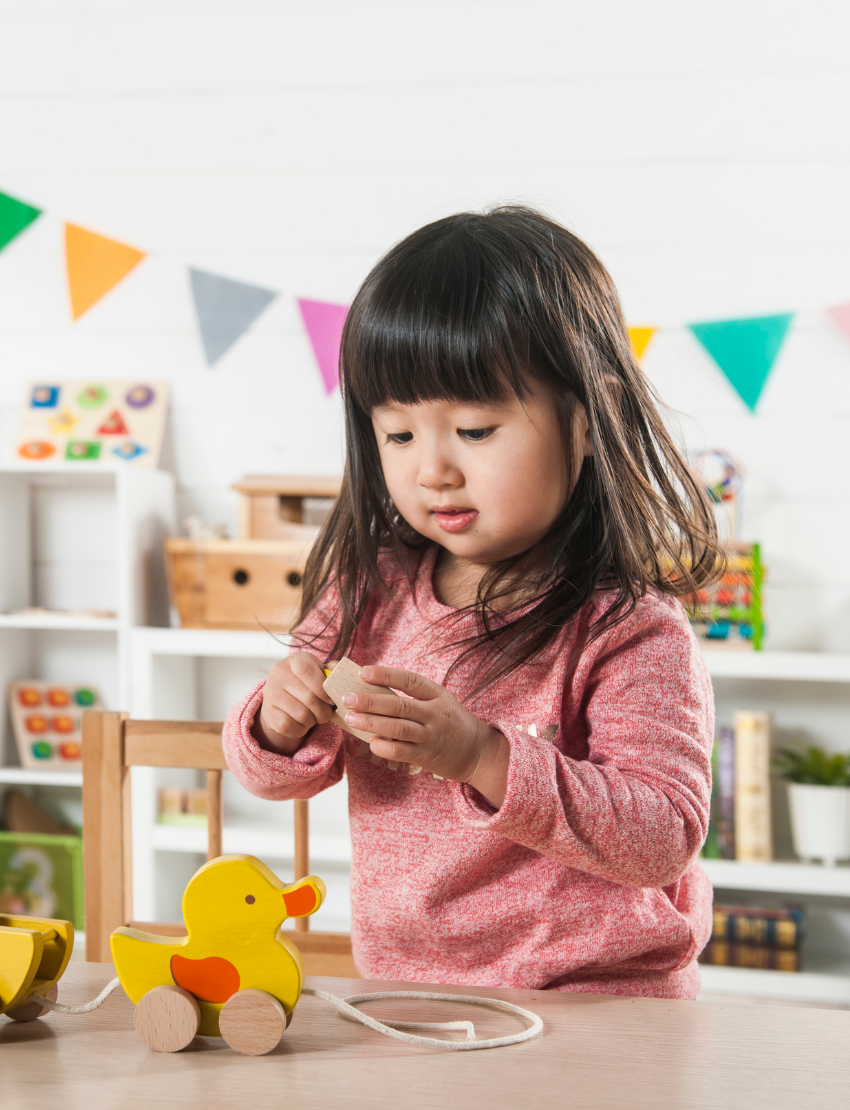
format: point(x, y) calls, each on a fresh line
point(75, 539)
point(808, 694)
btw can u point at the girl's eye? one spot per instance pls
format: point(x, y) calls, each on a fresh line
point(475, 434)
point(399, 437)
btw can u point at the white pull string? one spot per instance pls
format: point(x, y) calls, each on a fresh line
point(385, 1026)
point(394, 1028)
point(83, 1008)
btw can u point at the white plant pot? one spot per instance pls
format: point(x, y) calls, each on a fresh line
point(820, 821)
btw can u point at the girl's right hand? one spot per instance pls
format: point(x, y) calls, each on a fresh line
point(294, 700)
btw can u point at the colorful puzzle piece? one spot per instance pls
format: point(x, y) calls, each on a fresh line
point(36, 449)
point(44, 396)
point(92, 397)
point(113, 425)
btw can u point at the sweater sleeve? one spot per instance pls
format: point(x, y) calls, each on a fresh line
point(635, 811)
point(319, 762)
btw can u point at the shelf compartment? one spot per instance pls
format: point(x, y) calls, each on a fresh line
point(827, 982)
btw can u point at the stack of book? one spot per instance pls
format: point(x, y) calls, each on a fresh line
point(746, 937)
point(740, 825)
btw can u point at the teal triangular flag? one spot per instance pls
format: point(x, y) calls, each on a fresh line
point(745, 350)
point(14, 217)
point(225, 309)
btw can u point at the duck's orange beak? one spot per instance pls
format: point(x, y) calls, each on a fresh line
point(300, 902)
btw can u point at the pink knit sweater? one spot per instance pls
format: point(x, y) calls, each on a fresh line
point(585, 879)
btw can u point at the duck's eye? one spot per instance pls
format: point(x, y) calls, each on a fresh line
point(250, 899)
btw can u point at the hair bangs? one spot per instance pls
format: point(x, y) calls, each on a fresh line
point(433, 328)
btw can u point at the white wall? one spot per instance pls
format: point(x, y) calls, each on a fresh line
point(701, 150)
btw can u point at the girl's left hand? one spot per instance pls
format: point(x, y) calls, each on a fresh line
point(430, 729)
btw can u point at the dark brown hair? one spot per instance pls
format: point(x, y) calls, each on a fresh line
point(470, 308)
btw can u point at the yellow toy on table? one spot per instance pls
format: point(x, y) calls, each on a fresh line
point(34, 952)
point(235, 975)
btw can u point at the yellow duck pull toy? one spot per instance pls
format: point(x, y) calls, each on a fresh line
point(235, 975)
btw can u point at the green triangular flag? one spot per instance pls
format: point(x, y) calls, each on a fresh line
point(745, 350)
point(14, 217)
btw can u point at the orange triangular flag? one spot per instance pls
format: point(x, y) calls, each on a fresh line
point(113, 426)
point(640, 338)
point(95, 265)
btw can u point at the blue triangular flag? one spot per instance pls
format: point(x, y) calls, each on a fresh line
point(745, 350)
point(225, 309)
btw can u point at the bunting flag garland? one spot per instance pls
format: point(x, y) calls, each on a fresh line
point(840, 313)
point(95, 265)
point(15, 216)
point(640, 338)
point(225, 309)
point(323, 322)
point(745, 350)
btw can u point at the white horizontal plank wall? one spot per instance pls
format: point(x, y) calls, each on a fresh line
point(701, 151)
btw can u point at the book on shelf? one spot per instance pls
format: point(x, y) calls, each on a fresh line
point(781, 928)
point(725, 745)
point(763, 957)
point(752, 828)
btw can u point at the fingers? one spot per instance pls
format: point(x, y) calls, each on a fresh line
point(294, 699)
point(308, 671)
point(384, 705)
point(388, 728)
point(395, 750)
point(417, 685)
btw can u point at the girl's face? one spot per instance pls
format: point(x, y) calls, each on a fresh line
point(485, 481)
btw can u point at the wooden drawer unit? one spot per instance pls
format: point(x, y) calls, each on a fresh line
point(241, 584)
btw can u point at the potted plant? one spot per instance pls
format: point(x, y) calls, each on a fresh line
point(819, 800)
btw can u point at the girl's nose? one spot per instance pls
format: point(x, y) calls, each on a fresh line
point(438, 471)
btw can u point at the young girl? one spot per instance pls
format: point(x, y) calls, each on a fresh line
point(514, 528)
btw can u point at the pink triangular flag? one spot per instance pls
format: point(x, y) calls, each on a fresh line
point(323, 322)
point(840, 313)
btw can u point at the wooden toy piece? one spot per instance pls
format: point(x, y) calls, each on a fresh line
point(167, 1018)
point(34, 952)
point(252, 1022)
point(234, 907)
point(345, 679)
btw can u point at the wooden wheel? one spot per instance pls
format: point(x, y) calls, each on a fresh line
point(167, 1018)
point(32, 1010)
point(252, 1022)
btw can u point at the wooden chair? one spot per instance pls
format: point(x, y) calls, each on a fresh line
point(112, 744)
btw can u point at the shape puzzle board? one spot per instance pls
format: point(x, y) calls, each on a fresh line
point(46, 720)
point(112, 423)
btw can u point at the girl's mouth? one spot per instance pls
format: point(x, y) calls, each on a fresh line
point(454, 520)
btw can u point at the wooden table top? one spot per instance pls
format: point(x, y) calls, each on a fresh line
point(595, 1051)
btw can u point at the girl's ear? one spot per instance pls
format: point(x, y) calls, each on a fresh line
point(583, 431)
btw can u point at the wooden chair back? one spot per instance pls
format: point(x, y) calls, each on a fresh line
point(112, 744)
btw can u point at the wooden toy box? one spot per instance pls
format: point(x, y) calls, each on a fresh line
point(247, 584)
point(255, 581)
